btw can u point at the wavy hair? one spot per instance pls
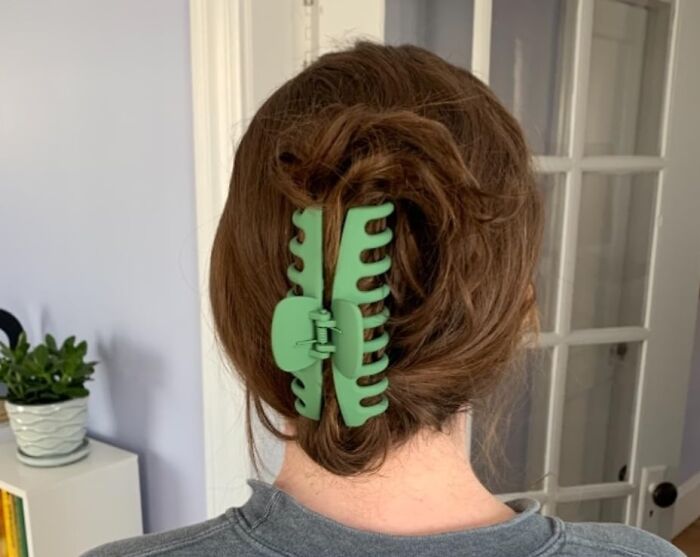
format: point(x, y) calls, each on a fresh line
point(363, 126)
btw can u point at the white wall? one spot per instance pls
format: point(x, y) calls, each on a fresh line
point(690, 457)
point(97, 220)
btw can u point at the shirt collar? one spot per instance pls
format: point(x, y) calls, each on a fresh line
point(278, 520)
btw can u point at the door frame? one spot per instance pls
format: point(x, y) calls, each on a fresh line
point(675, 235)
point(221, 100)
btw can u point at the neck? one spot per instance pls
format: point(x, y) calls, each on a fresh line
point(425, 487)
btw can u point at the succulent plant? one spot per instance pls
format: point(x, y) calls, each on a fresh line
point(46, 372)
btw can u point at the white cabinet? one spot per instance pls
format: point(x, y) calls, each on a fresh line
point(70, 509)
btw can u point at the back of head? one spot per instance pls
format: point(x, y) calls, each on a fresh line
point(359, 127)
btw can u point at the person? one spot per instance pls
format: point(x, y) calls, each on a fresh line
point(402, 130)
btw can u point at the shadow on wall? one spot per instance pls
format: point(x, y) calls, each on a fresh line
point(133, 373)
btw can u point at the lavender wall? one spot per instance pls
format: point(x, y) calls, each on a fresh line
point(97, 220)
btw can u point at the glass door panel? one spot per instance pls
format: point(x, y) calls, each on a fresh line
point(509, 430)
point(626, 87)
point(616, 222)
point(598, 416)
point(531, 63)
point(441, 26)
point(547, 280)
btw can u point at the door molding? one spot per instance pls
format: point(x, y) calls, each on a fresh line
point(688, 505)
point(221, 101)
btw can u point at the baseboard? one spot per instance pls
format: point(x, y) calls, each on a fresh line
point(687, 507)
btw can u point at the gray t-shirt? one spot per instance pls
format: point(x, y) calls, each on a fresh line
point(273, 524)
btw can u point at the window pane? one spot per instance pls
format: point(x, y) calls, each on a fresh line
point(596, 510)
point(508, 445)
point(627, 77)
point(547, 279)
point(612, 260)
point(441, 26)
point(531, 63)
point(597, 429)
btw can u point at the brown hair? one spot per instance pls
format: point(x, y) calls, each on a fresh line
point(359, 127)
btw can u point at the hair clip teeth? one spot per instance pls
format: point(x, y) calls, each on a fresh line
point(371, 296)
point(379, 239)
point(296, 247)
point(304, 333)
point(376, 320)
point(377, 366)
point(376, 268)
point(375, 389)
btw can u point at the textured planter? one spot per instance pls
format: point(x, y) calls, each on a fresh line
point(44, 430)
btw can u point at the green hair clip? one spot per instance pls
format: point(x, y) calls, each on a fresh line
point(304, 333)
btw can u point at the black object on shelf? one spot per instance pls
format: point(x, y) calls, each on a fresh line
point(11, 326)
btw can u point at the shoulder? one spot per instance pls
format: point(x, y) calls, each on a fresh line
point(218, 536)
point(615, 539)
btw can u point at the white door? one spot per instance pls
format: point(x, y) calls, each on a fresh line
point(605, 90)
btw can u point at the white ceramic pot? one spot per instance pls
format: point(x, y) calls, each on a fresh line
point(44, 430)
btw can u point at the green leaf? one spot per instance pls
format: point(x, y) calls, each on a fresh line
point(81, 349)
point(41, 355)
point(51, 343)
point(45, 373)
point(77, 392)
